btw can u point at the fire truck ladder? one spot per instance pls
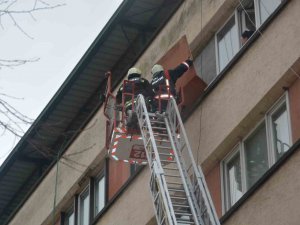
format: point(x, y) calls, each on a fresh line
point(178, 186)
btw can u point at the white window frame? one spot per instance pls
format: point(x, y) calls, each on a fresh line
point(83, 194)
point(243, 149)
point(280, 102)
point(238, 19)
point(258, 10)
point(97, 179)
point(68, 213)
point(240, 147)
point(225, 190)
point(234, 14)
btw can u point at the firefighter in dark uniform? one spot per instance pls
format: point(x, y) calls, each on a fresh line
point(140, 86)
point(163, 82)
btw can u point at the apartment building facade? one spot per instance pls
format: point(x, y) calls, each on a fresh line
point(241, 112)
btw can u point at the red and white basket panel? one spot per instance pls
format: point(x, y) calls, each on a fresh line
point(130, 148)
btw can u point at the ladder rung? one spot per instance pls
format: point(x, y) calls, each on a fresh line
point(169, 168)
point(174, 183)
point(185, 222)
point(168, 161)
point(171, 175)
point(182, 206)
point(159, 128)
point(157, 121)
point(163, 147)
point(174, 197)
point(175, 189)
point(165, 154)
point(162, 140)
point(159, 135)
point(182, 214)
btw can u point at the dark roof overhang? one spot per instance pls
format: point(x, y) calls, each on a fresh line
point(124, 38)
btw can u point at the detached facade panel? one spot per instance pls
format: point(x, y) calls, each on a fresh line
point(241, 111)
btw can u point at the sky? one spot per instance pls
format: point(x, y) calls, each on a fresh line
point(57, 40)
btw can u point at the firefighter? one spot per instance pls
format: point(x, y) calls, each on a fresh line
point(140, 86)
point(163, 82)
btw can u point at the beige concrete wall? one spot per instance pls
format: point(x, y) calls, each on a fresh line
point(276, 202)
point(134, 206)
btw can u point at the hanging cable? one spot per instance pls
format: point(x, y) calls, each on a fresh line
point(201, 71)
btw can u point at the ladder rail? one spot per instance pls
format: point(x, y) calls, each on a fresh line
point(198, 178)
point(184, 181)
point(154, 163)
point(161, 197)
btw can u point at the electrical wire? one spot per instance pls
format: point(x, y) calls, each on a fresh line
point(201, 71)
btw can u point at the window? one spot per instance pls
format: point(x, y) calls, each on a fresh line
point(248, 16)
point(279, 130)
point(70, 217)
point(205, 62)
point(100, 194)
point(266, 8)
point(84, 207)
point(227, 43)
point(233, 177)
point(256, 153)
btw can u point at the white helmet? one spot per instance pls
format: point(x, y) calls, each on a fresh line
point(156, 68)
point(133, 72)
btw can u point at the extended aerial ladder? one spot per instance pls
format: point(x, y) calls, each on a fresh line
point(178, 188)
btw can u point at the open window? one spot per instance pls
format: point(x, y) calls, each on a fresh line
point(247, 21)
point(227, 43)
point(247, 18)
point(266, 8)
point(189, 86)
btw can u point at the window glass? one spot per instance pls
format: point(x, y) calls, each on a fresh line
point(266, 8)
point(84, 207)
point(246, 16)
point(70, 218)
point(256, 155)
point(205, 62)
point(99, 195)
point(228, 43)
point(234, 183)
point(280, 130)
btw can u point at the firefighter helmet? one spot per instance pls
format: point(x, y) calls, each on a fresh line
point(133, 72)
point(156, 68)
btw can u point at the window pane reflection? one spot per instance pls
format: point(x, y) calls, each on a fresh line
point(84, 208)
point(228, 43)
point(267, 7)
point(256, 153)
point(100, 195)
point(70, 218)
point(234, 179)
point(280, 132)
